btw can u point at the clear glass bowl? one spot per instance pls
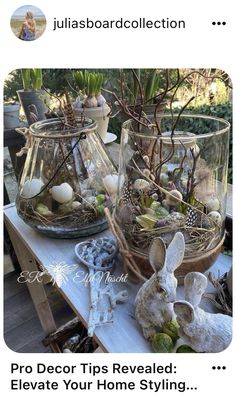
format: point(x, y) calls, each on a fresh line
point(173, 177)
point(63, 189)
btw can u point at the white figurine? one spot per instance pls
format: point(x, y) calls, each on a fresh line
point(202, 331)
point(154, 300)
point(195, 285)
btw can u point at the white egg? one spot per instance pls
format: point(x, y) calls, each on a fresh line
point(75, 205)
point(62, 193)
point(213, 204)
point(216, 217)
point(32, 188)
point(110, 183)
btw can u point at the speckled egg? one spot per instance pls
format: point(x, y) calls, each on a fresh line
point(216, 217)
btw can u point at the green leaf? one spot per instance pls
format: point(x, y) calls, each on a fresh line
point(26, 78)
point(151, 85)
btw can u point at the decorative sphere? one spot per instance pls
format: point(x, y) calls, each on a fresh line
point(162, 343)
point(171, 328)
point(185, 349)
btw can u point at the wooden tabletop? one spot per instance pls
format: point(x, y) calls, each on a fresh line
point(124, 335)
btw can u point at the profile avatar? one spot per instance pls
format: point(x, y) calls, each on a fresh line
point(28, 23)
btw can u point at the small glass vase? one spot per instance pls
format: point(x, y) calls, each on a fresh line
point(173, 177)
point(67, 181)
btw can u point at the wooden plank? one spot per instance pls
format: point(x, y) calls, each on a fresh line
point(124, 335)
point(36, 289)
point(27, 333)
point(15, 318)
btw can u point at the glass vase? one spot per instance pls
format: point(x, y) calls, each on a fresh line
point(173, 177)
point(67, 181)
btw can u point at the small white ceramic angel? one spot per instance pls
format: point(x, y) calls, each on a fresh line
point(202, 331)
point(154, 300)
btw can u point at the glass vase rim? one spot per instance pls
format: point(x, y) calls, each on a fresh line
point(68, 132)
point(219, 131)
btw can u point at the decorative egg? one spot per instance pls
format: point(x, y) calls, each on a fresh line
point(174, 200)
point(141, 185)
point(42, 209)
point(89, 201)
point(62, 193)
point(216, 217)
point(213, 204)
point(32, 188)
point(100, 198)
point(177, 217)
point(111, 185)
point(100, 210)
point(75, 205)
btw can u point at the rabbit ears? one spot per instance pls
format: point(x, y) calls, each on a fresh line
point(184, 311)
point(170, 258)
point(195, 285)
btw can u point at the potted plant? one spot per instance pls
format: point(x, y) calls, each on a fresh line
point(11, 106)
point(11, 115)
point(31, 97)
point(90, 102)
point(138, 92)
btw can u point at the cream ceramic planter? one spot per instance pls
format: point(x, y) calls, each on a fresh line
point(98, 114)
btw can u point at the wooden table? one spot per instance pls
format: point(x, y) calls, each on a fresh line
point(31, 248)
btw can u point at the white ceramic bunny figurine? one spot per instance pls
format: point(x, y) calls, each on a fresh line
point(154, 300)
point(202, 331)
